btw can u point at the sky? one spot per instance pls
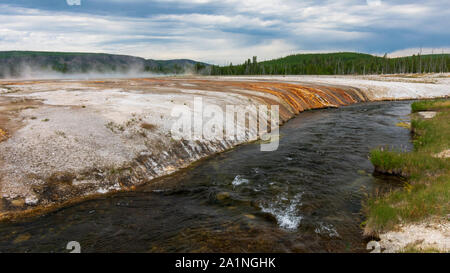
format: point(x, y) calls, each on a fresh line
point(224, 31)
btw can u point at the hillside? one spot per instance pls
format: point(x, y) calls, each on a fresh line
point(25, 63)
point(16, 64)
point(338, 64)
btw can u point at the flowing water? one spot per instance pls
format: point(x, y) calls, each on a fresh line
point(304, 197)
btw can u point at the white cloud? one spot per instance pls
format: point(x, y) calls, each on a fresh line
point(234, 31)
point(374, 3)
point(424, 51)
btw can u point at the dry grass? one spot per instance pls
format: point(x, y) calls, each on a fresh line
point(416, 248)
point(148, 126)
point(3, 135)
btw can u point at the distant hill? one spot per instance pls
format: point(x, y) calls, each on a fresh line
point(24, 63)
point(36, 63)
point(338, 64)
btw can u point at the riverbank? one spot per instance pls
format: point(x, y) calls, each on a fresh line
point(305, 197)
point(69, 140)
point(417, 217)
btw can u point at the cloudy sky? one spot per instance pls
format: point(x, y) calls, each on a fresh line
point(223, 31)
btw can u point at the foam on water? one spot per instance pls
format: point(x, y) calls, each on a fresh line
point(327, 229)
point(239, 180)
point(285, 210)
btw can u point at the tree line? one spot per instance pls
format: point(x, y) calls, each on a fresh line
point(338, 64)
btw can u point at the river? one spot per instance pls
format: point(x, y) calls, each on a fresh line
point(305, 197)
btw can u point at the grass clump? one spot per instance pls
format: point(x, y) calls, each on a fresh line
point(427, 190)
point(417, 201)
point(430, 105)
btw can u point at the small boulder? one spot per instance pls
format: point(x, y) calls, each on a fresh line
point(427, 114)
point(443, 154)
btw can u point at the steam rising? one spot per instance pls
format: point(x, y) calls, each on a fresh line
point(59, 65)
point(26, 71)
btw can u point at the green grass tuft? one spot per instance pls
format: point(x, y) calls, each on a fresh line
point(427, 192)
point(430, 105)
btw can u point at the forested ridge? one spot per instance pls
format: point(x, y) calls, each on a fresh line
point(18, 63)
point(345, 63)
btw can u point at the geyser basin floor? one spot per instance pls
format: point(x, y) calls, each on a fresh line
point(69, 139)
point(304, 197)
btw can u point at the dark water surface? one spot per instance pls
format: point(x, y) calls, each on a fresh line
point(304, 197)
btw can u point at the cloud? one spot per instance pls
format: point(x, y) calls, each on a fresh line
point(224, 31)
point(423, 51)
point(374, 3)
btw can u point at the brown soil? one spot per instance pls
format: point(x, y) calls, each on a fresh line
point(9, 110)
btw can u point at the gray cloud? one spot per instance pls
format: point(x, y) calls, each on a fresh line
point(224, 31)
